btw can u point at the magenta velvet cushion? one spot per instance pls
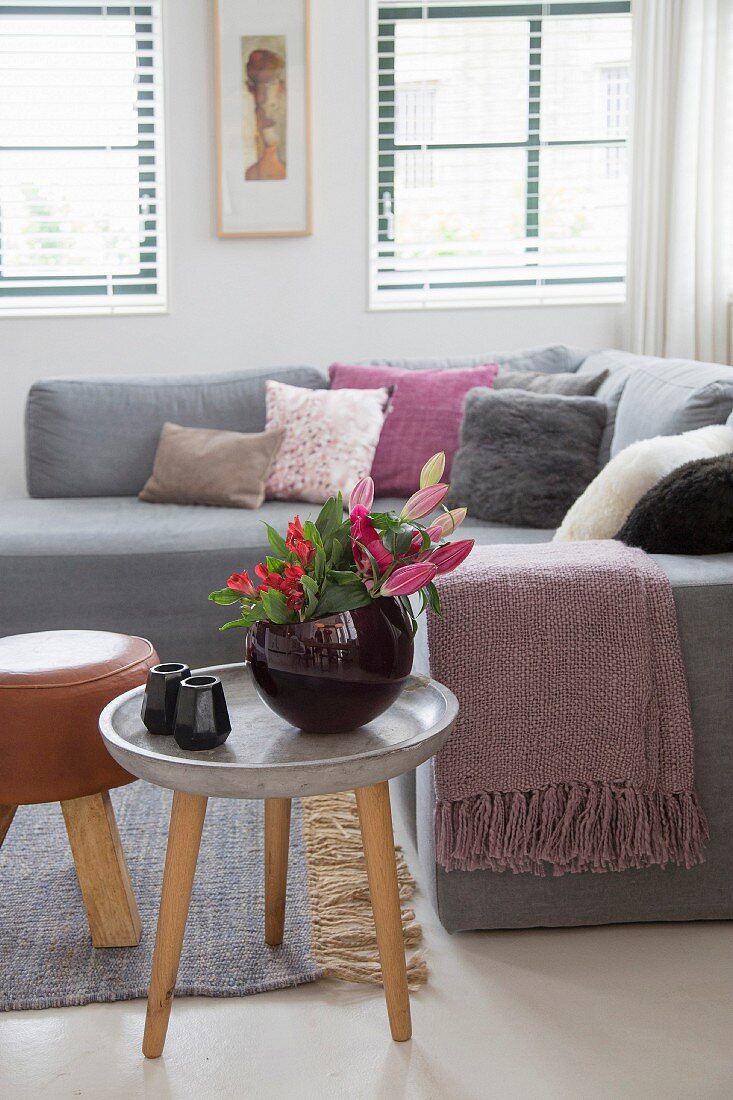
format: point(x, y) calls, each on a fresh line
point(424, 417)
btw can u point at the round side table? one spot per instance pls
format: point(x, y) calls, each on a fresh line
point(266, 758)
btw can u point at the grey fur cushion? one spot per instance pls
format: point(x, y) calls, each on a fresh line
point(525, 457)
point(576, 385)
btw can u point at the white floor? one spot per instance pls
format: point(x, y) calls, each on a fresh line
point(635, 1011)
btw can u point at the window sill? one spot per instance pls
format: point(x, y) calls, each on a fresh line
point(82, 311)
point(544, 302)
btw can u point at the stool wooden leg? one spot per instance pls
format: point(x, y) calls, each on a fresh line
point(184, 839)
point(277, 839)
point(101, 867)
point(7, 813)
point(375, 818)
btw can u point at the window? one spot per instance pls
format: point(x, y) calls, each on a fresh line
point(499, 152)
point(81, 158)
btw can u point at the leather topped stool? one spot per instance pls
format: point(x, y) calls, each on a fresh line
point(53, 685)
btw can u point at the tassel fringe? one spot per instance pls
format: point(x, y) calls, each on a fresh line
point(573, 827)
point(344, 937)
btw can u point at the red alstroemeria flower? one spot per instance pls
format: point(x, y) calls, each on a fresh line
point(288, 583)
point(298, 544)
point(364, 536)
point(240, 582)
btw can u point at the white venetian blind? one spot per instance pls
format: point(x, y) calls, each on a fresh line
point(81, 157)
point(499, 152)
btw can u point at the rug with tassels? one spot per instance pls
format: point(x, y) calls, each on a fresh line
point(46, 956)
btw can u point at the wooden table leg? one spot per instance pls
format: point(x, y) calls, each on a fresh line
point(184, 839)
point(277, 839)
point(7, 813)
point(101, 867)
point(375, 818)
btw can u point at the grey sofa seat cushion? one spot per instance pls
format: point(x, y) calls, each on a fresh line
point(556, 359)
point(112, 526)
point(96, 437)
point(672, 396)
point(119, 564)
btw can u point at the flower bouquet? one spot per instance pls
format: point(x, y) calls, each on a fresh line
point(331, 607)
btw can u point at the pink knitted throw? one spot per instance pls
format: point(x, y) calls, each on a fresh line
point(573, 745)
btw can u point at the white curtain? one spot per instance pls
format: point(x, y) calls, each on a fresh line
point(680, 192)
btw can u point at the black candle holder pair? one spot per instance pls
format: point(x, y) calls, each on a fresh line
point(191, 708)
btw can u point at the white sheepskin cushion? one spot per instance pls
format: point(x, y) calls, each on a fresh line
point(605, 505)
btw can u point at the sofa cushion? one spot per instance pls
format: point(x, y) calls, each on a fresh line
point(671, 396)
point(424, 417)
point(97, 437)
point(208, 466)
point(525, 457)
point(619, 366)
point(570, 383)
point(553, 360)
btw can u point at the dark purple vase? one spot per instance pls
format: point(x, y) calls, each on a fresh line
point(335, 673)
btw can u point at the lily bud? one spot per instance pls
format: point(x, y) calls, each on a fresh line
point(432, 471)
point(362, 494)
point(423, 502)
point(447, 523)
point(408, 579)
point(449, 557)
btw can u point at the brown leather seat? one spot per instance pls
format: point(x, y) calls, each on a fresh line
point(53, 685)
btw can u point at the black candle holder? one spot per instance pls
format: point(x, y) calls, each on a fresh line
point(161, 696)
point(202, 718)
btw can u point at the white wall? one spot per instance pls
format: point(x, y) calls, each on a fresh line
point(260, 303)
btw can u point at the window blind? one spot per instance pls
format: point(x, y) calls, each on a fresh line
point(81, 158)
point(499, 138)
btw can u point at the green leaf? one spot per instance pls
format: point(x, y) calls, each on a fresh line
point(342, 597)
point(319, 566)
point(341, 576)
point(276, 608)
point(236, 622)
point(330, 517)
point(277, 542)
point(433, 597)
point(274, 565)
point(313, 535)
point(407, 607)
point(225, 596)
point(398, 540)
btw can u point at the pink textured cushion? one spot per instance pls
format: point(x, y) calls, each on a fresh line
point(424, 417)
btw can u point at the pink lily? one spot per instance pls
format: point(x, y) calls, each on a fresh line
point(362, 494)
point(240, 582)
point(447, 523)
point(408, 579)
point(432, 471)
point(423, 502)
point(449, 557)
point(364, 537)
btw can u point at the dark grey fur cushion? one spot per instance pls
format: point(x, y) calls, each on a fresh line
point(577, 385)
point(690, 511)
point(525, 457)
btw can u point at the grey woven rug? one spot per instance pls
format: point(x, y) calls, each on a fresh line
point(46, 956)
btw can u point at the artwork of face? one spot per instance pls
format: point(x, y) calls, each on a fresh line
point(265, 123)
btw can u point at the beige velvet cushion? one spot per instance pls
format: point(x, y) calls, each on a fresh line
point(204, 466)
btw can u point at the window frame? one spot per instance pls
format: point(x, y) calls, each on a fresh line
point(382, 149)
point(152, 176)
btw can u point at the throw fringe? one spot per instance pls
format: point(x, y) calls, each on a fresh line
point(343, 933)
point(572, 827)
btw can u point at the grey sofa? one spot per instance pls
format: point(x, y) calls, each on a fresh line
point(82, 551)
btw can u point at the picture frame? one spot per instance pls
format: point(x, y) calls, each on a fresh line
point(263, 118)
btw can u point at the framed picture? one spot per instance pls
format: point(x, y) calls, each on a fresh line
point(261, 69)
